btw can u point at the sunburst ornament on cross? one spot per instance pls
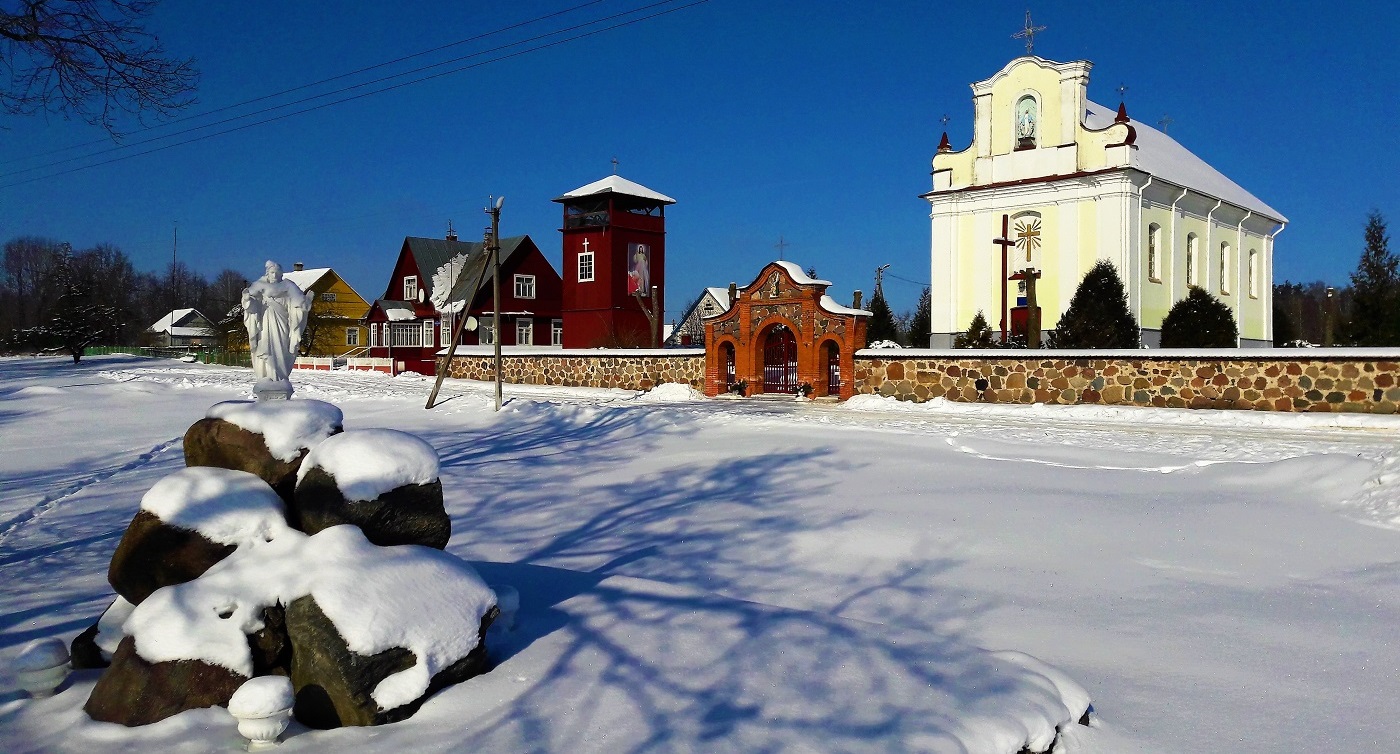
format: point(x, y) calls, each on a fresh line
point(1028, 236)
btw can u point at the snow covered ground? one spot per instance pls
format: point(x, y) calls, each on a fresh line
point(729, 575)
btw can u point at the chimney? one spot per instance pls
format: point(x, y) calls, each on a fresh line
point(855, 301)
point(733, 293)
point(298, 266)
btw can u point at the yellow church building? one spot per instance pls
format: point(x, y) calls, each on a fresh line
point(1063, 182)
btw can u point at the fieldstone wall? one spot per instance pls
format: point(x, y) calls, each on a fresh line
point(1294, 381)
point(593, 368)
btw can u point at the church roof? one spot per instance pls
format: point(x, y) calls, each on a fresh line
point(616, 184)
point(1160, 155)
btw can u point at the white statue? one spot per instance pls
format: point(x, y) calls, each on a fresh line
point(274, 311)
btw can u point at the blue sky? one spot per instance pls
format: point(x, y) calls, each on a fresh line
point(814, 121)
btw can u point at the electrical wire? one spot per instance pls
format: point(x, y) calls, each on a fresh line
point(363, 95)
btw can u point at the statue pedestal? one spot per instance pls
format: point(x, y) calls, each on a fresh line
point(272, 390)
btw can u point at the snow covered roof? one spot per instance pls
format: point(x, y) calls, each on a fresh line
point(1160, 155)
point(305, 278)
point(721, 297)
point(187, 322)
point(828, 303)
point(616, 184)
point(799, 275)
point(396, 311)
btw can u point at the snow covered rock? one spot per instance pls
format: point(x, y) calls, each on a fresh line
point(381, 480)
point(337, 686)
point(94, 647)
point(189, 521)
point(135, 691)
point(267, 438)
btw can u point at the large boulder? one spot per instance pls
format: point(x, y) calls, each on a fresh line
point(265, 438)
point(336, 686)
point(95, 647)
point(381, 480)
point(189, 521)
point(134, 691)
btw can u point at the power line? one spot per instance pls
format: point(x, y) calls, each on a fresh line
point(366, 69)
point(283, 116)
point(906, 280)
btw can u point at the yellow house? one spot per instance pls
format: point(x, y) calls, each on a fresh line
point(333, 327)
point(1073, 182)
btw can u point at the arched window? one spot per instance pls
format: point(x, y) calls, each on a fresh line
point(1192, 244)
point(1027, 122)
point(1154, 242)
point(1254, 273)
point(1224, 269)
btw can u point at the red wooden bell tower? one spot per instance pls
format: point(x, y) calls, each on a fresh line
point(614, 249)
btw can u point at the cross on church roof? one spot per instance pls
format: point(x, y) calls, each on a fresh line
point(1164, 122)
point(944, 120)
point(781, 246)
point(1122, 90)
point(1028, 33)
point(614, 163)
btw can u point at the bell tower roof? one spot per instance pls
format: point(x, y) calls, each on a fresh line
point(616, 184)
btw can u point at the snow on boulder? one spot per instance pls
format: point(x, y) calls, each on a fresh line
point(135, 691)
point(94, 647)
point(373, 629)
point(381, 480)
point(189, 521)
point(267, 438)
point(671, 392)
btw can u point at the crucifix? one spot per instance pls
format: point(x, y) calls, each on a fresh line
point(1028, 33)
point(1005, 242)
point(614, 163)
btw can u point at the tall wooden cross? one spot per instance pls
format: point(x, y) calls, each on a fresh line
point(1005, 242)
point(1028, 33)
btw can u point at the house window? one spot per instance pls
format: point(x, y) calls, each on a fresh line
point(1254, 273)
point(524, 286)
point(486, 331)
point(524, 332)
point(352, 336)
point(585, 267)
point(556, 332)
point(328, 297)
point(1154, 242)
point(406, 334)
point(374, 335)
point(1192, 242)
point(410, 287)
point(1224, 269)
point(428, 333)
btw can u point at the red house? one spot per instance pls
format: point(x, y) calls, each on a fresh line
point(614, 262)
point(406, 327)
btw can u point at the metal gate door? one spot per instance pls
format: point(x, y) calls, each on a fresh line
point(780, 361)
point(833, 369)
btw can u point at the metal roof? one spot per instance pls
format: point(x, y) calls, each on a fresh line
point(616, 184)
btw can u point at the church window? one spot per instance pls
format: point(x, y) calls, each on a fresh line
point(524, 286)
point(410, 287)
point(1027, 122)
point(1224, 269)
point(1154, 242)
point(1254, 273)
point(1192, 249)
point(585, 267)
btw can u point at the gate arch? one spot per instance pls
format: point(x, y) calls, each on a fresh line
point(779, 359)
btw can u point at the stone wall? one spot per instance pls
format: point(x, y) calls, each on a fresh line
point(1291, 380)
point(629, 370)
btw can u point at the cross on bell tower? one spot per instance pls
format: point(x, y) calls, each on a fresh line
point(1028, 33)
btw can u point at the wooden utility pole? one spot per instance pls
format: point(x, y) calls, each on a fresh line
point(495, 213)
point(459, 326)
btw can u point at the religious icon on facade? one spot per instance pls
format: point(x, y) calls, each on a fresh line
point(638, 269)
point(1026, 123)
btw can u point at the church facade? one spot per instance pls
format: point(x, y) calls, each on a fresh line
point(1053, 182)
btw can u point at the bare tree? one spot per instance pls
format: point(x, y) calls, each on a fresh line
point(92, 59)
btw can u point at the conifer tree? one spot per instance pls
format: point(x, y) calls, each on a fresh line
point(1375, 290)
point(921, 327)
point(882, 325)
point(1199, 321)
point(1098, 315)
point(978, 335)
point(1285, 328)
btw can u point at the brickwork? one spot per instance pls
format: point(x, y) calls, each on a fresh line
point(1264, 384)
point(606, 369)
